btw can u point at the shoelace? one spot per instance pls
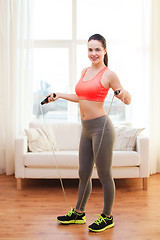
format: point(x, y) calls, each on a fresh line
point(99, 220)
point(70, 212)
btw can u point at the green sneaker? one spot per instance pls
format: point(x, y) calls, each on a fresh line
point(102, 223)
point(72, 217)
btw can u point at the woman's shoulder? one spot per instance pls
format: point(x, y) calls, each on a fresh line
point(109, 78)
point(84, 70)
point(110, 75)
point(109, 72)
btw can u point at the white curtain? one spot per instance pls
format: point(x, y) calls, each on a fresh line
point(15, 76)
point(154, 124)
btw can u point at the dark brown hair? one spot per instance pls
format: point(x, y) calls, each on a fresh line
point(100, 38)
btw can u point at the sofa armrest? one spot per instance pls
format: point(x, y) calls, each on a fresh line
point(20, 150)
point(142, 148)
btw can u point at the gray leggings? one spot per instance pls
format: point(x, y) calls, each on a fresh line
point(89, 143)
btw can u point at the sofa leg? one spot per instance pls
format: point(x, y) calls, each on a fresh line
point(19, 183)
point(145, 183)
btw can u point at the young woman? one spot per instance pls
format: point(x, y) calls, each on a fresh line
point(98, 135)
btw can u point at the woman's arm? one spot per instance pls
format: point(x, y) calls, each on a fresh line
point(69, 97)
point(115, 84)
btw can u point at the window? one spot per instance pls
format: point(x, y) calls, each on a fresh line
point(52, 19)
point(52, 34)
point(50, 75)
point(60, 31)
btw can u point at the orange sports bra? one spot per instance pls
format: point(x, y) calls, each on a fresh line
point(92, 89)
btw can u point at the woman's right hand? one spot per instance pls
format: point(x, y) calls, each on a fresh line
point(51, 98)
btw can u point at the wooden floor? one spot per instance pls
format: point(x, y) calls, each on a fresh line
point(31, 213)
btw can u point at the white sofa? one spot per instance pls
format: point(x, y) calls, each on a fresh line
point(42, 165)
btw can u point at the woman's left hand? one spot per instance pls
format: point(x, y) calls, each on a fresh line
point(124, 96)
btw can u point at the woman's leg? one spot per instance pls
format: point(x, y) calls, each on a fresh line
point(85, 170)
point(104, 162)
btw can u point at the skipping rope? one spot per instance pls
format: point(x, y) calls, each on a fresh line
point(54, 157)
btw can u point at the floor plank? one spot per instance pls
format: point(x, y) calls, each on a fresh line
point(31, 213)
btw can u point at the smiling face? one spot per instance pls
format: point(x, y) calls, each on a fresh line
point(96, 51)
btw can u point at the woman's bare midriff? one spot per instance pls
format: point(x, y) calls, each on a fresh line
point(91, 109)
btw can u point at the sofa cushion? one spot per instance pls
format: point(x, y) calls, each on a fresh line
point(70, 159)
point(40, 140)
point(126, 138)
point(67, 134)
point(64, 159)
point(126, 159)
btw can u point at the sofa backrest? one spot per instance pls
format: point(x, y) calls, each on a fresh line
point(67, 135)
